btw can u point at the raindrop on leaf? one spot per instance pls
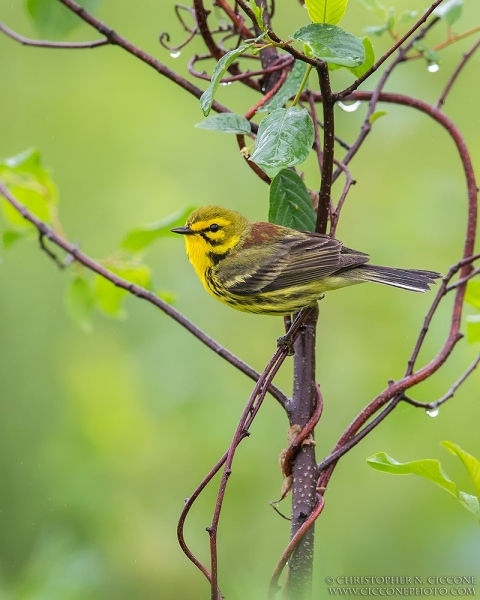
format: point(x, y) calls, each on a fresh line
point(433, 67)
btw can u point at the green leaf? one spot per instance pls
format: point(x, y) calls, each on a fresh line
point(258, 12)
point(376, 115)
point(33, 200)
point(32, 185)
point(326, 11)
point(473, 328)
point(139, 238)
point(221, 67)
point(332, 44)
point(471, 463)
point(376, 8)
point(79, 302)
point(451, 11)
point(227, 123)
point(369, 58)
point(10, 236)
point(284, 139)
point(290, 202)
point(109, 297)
point(53, 20)
point(288, 89)
point(471, 503)
point(26, 169)
point(472, 295)
point(428, 468)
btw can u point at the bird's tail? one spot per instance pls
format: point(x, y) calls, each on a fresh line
point(408, 279)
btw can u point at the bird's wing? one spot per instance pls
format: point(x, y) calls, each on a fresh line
point(293, 260)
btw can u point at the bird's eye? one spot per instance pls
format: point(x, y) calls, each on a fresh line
point(214, 227)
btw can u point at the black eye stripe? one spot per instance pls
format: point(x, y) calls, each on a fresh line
point(210, 241)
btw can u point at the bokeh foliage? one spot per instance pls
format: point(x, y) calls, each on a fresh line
point(105, 433)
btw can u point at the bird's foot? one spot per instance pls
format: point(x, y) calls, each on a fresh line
point(286, 340)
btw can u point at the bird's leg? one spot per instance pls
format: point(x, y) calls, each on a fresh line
point(288, 339)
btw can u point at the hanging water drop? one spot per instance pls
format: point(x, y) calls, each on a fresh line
point(225, 83)
point(175, 54)
point(349, 107)
point(433, 67)
point(433, 413)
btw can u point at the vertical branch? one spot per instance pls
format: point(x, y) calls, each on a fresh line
point(328, 103)
point(304, 468)
point(303, 402)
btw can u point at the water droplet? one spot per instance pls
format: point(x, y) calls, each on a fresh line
point(225, 83)
point(349, 107)
point(433, 67)
point(175, 54)
point(433, 413)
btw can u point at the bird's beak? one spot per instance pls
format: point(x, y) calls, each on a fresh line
point(183, 230)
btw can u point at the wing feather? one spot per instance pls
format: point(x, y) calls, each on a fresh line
point(297, 259)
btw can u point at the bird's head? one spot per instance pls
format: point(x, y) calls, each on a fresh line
point(211, 232)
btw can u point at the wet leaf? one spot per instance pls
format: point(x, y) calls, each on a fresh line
point(290, 202)
point(332, 44)
point(284, 139)
point(226, 123)
point(219, 71)
point(288, 89)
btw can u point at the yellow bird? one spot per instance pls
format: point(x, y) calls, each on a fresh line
point(268, 269)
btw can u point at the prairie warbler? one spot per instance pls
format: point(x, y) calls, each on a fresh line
point(273, 270)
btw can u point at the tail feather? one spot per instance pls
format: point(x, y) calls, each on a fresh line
point(408, 279)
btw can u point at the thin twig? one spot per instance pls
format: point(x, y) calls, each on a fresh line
point(449, 394)
point(282, 63)
point(48, 252)
point(441, 101)
point(335, 213)
point(463, 280)
point(448, 42)
point(48, 44)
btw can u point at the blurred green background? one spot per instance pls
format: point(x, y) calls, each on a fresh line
point(103, 435)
